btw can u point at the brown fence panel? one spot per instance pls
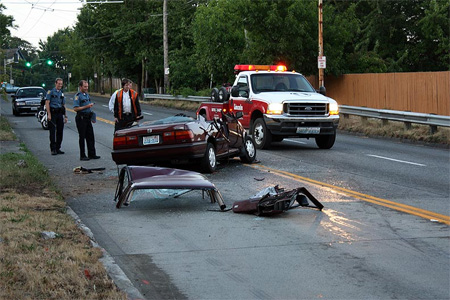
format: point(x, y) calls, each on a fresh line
point(422, 92)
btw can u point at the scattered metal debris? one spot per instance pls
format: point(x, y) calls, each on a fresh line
point(81, 170)
point(275, 200)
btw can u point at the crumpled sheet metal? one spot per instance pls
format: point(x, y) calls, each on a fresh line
point(141, 177)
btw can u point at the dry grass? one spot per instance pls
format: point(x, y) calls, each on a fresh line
point(32, 267)
point(178, 104)
point(5, 131)
point(375, 127)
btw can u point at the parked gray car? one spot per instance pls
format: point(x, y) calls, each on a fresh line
point(27, 100)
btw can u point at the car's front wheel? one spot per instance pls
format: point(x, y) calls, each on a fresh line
point(209, 161)
point(15, 112)
point(248, 151)
point(261, 135)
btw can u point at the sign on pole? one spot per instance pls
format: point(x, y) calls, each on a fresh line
point(322, 62)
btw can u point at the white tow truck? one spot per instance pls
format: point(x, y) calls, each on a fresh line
point(276, 104)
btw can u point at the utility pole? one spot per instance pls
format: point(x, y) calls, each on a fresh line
point(166, 48)
point(321, 59)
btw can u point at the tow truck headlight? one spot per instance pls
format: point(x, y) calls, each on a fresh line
point(334, 108)
point(275, 109)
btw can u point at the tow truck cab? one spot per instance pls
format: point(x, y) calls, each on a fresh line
point(276, 104)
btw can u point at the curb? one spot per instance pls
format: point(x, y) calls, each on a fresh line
point(114, 271)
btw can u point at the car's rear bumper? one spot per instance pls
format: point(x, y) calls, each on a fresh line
point(181, 153)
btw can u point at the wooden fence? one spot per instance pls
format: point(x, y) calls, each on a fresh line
point(422, 92)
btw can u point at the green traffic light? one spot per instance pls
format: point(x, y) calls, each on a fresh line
point(28, 64)
point(49, 62)
point(43, 85)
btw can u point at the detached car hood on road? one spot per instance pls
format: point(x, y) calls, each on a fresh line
point(132, 178)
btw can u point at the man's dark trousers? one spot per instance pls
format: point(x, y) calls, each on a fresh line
point(56, 127)
point(85, 132)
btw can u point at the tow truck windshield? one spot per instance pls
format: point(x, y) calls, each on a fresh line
point(280, 82)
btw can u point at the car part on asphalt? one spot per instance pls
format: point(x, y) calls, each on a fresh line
point(172, 182)
point(275, 200)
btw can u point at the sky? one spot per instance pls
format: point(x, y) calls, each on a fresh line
point(38, 19)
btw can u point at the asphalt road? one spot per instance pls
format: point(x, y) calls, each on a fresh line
point(381, 235)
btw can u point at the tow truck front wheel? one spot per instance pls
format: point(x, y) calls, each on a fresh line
point(209, 161)
point(326, 141)
point(261, 135)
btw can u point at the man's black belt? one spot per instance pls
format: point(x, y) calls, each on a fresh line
point(56, 110)
point(127, 114)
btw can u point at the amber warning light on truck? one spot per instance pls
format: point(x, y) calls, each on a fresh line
point(240, 68)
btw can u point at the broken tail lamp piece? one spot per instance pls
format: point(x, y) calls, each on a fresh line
point(275, 200)
point(132, 178)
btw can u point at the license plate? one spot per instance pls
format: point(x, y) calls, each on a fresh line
point(308, 130)
point(34, 108)
point(150, 140)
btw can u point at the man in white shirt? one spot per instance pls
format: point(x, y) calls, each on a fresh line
point(124, 103)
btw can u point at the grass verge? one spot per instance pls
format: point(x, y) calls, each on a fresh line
point(33, 263)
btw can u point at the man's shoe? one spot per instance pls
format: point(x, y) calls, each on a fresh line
point(84, 158)
point(54, 152)
point(94, 157)
point(59, 152)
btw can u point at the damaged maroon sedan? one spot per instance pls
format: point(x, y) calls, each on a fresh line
point(181, 139)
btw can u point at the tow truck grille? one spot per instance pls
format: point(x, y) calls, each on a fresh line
point(306, 109)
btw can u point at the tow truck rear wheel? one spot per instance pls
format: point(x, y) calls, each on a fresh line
point(326, 141)
point(261, 135)
point(248, 151)
point(209, 161)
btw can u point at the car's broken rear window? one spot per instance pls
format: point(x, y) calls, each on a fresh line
point(169, 120)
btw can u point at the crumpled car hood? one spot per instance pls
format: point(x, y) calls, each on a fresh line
point(141, 178)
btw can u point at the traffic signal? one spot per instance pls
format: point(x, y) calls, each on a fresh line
point(43, 85)
point(49, 62)
point(28, 64)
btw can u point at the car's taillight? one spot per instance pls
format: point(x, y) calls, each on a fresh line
point(119, 141)
point(184, 135)
point(132, 140)
point(169, 136)
point(125, 140)
point(179, 136)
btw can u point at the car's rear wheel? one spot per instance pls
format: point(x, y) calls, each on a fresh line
point(209, 161)
point(248, 151)
point(261, 135)
point(326, 141)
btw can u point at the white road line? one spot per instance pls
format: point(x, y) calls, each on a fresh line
point(105, 105)
point(397, 160)
point(294, 141)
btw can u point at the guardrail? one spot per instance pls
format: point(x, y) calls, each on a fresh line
point(383, 114)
